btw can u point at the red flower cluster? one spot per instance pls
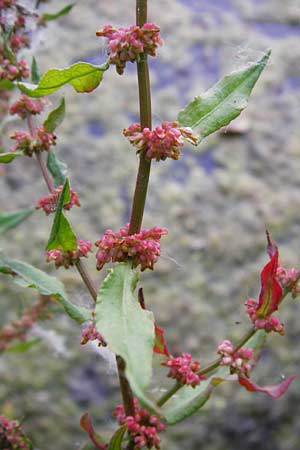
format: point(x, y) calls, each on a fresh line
point(127, 44)
point(184, 369)
point(263, 323)
point(69, 258)
point(142, 247)
point(19, 328)
point(12, 436)
point(49, 202)
point(14, 71)
point(237, 361)
point(162, 142)
point(29, 144)
point(90, 333)
point(25, 106)
point(143, 427)
point(290, 279)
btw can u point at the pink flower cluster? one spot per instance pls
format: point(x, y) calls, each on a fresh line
point(49, 202)
point(162, 142)
point(69, 258)
point(12, 436)
point(143, 427)
point(127, 44)
point(25, 106)
point(267, 323)
point(90, 333)
point(184, 369)
point(142, 247)
point(29, 144)
point(238, 361)
point(13, 71)
point(290, 279)
point(7, 3)
point(19, 328)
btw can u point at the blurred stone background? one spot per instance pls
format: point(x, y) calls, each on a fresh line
point(216, 201)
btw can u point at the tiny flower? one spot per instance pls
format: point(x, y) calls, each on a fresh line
point(90, 333)
point(15, 71)
point(143, 427)
point(41, 141)
point(69, 258)
point(162, 142)
point(238, 361)
point(127, 44)
point(184, 369)
point(25, 106)
point(12, 436)
point(289, 279)
point(49, 202)
point(142, 247)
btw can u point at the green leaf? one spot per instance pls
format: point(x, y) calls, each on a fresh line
point(84, 77)
point(6, 85)
point(35, 75)
point(189, 400)
point(55, 117)
point(62, 236)
point(60, 13)
point(46, 285)
point(223, 102)
point(10, 220)
point(23, 346)
point(9, 157)
point(116, 441)
point(57, 168)
point(127, 328)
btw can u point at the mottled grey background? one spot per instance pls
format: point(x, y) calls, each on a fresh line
point(216, 201)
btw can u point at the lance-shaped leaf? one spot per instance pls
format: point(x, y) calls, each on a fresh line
point(62, 12)
point(275, 391)
point(62, 236)
point(87, 425)
point(127, 328)
point(271, 291)
point(188, 400)
point(35, 74)
point(57, 168)
point(28, 276)
point(117, 439)
point(223, 102)
point(10, 220)
point(55, 117)
point(84, 77)
point(23, 346)
point(6, 158)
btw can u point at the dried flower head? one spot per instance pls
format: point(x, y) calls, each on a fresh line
point(127, 44)
point(69, 258)
point(162, 142)
point(143, 427)
point(142, 247)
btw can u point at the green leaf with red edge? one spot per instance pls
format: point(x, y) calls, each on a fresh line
point(87, 425)
point(271, 291)
point(116, 441)
point(82, 76)
point(275, 391)
point(160, 345)
point(62, 237)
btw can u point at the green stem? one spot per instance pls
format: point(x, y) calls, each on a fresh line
point(142, 180)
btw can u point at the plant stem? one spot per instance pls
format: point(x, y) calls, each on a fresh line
point(86, 279)
point(142, 180)
point(45, 172)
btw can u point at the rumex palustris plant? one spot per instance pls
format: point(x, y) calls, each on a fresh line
point(120, 318)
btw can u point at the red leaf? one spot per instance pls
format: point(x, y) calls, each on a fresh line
point(160, 345)
point(271, 291)
point(274, 391)
point(86, 425)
